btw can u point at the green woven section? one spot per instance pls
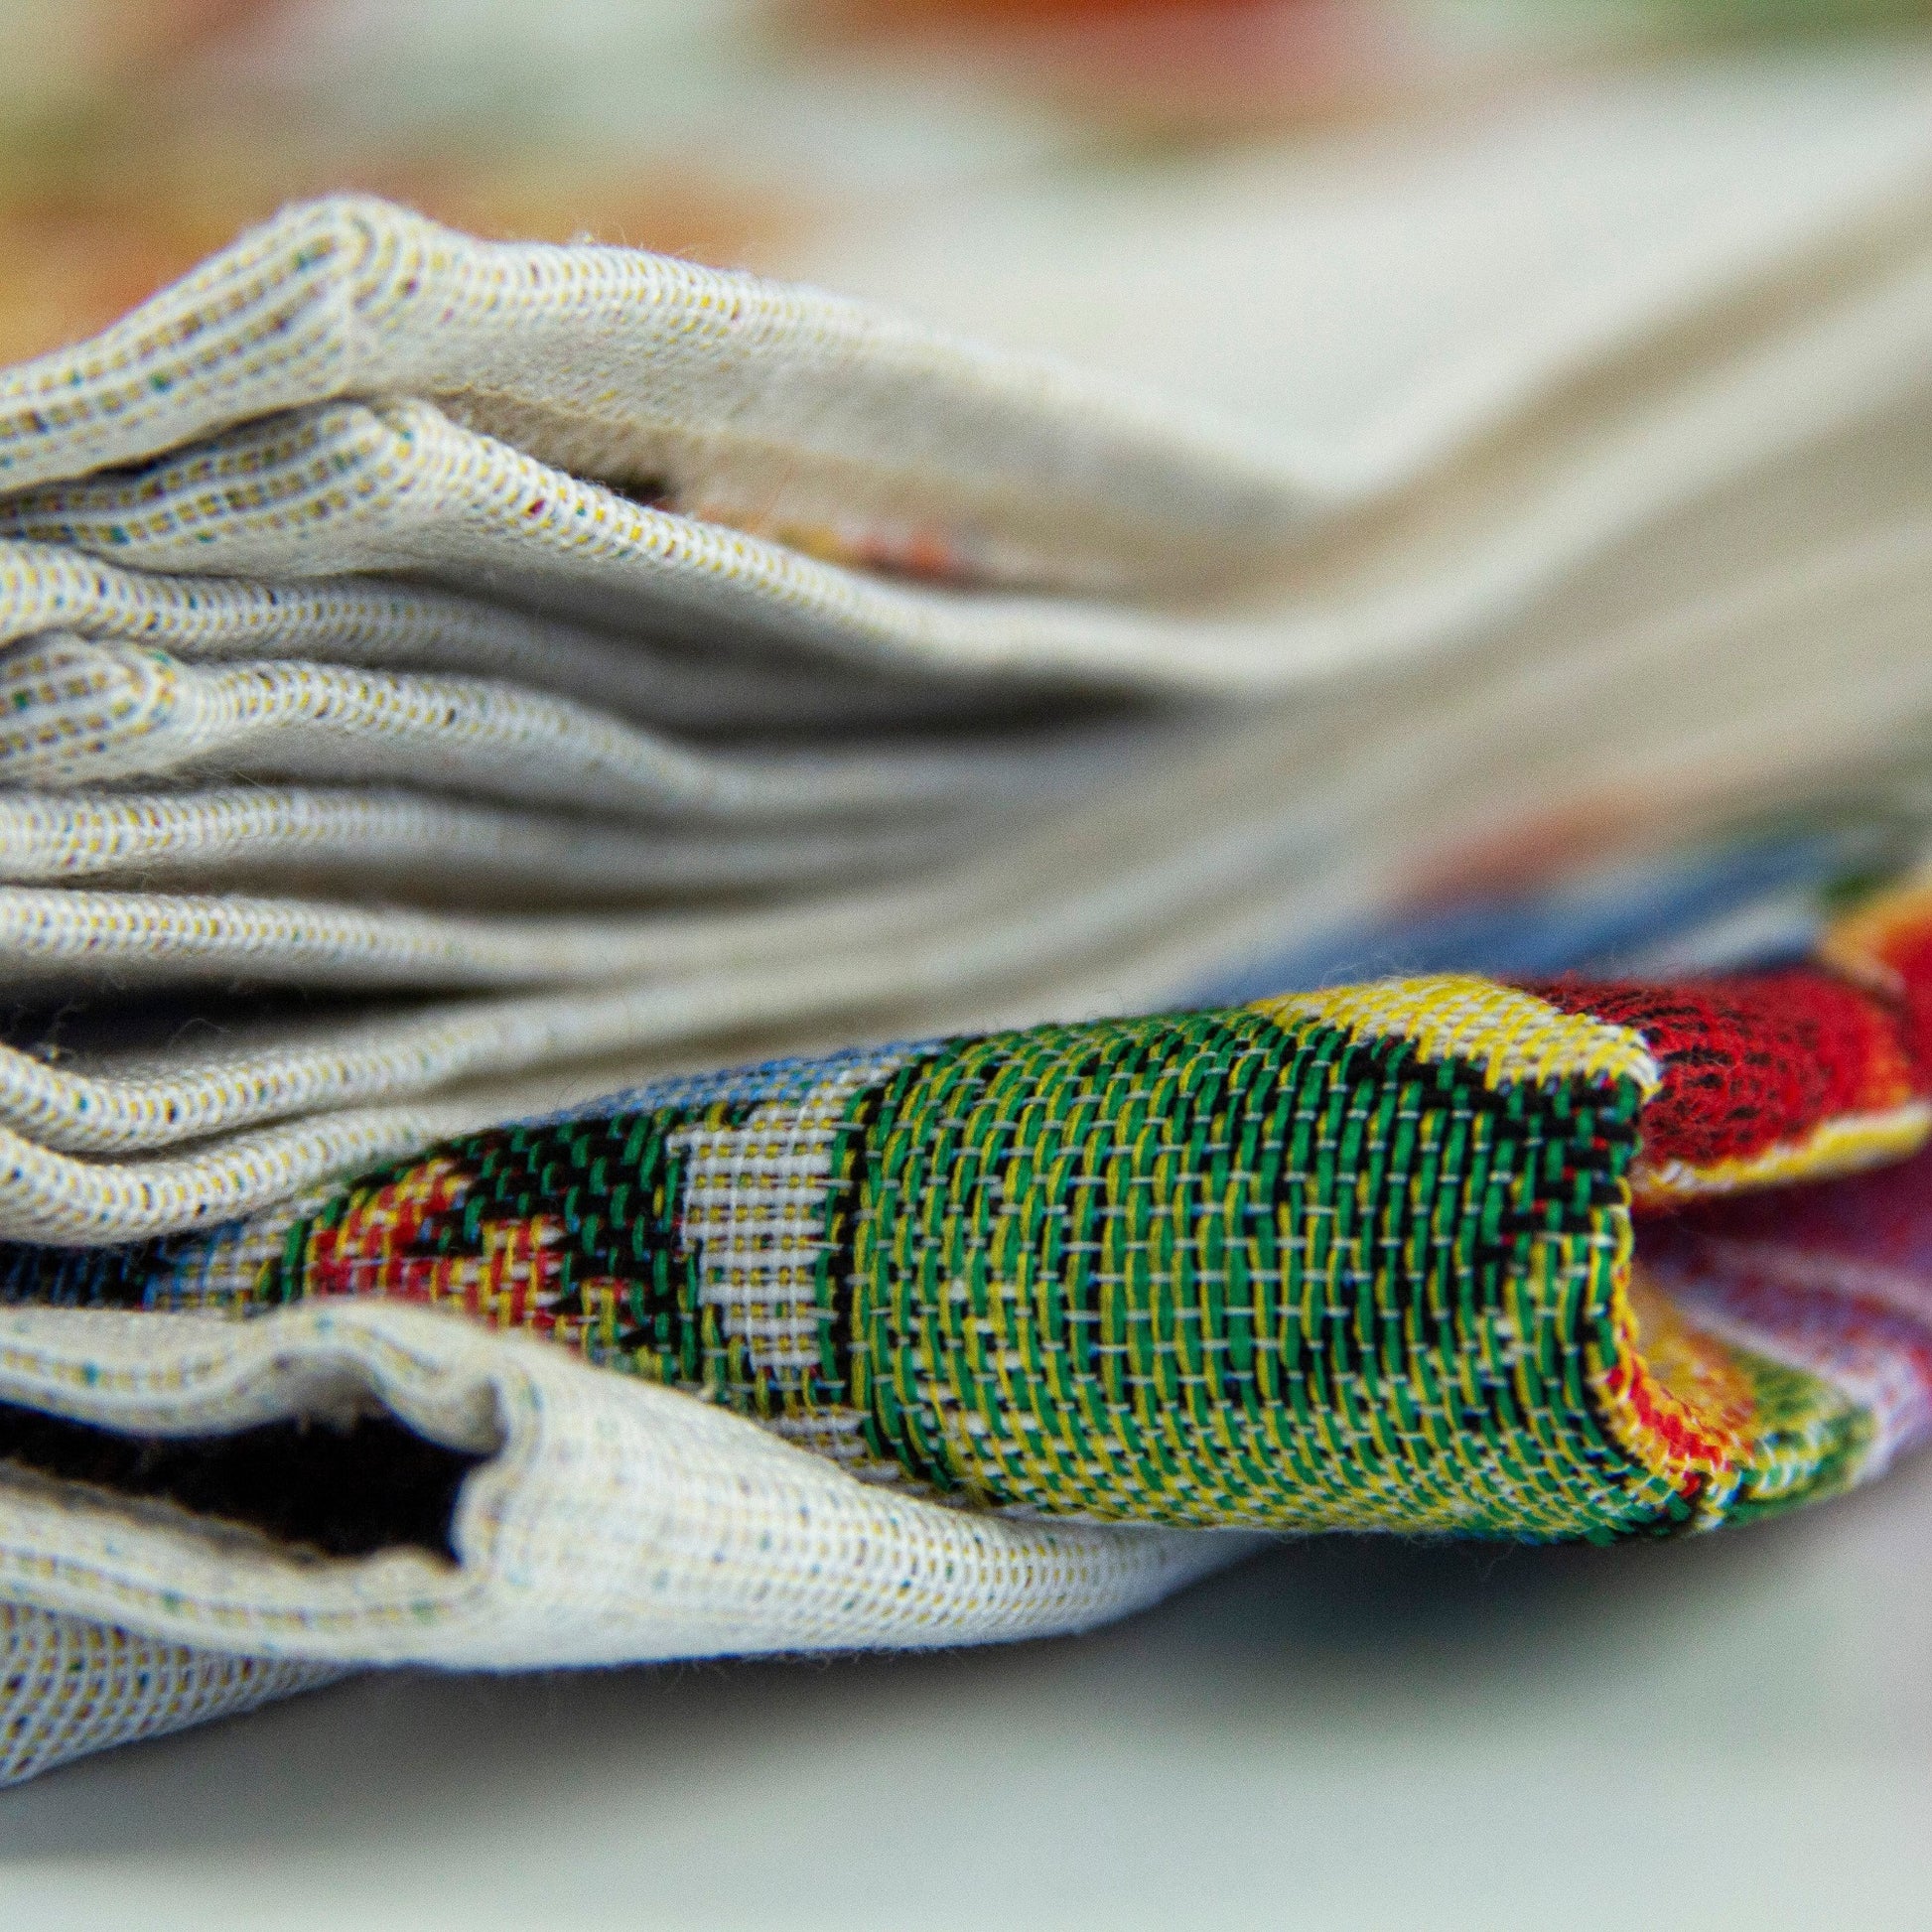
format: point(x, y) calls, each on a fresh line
point(1201, 1268)
point(547, 1217)
point(1205, 1270)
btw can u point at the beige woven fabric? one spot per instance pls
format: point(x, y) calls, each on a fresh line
point(389, 625)
point(68, 1687)
point(799, 408)
point(383, 839)
point(75, 713)
point(1760, 283)
point(612, 1520)
point(622, 365)
point(615, 1522)
point(399, 487)
point(1381, 298)
point(1787, 692)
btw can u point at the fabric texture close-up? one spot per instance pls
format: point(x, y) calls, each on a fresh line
point(894, 950)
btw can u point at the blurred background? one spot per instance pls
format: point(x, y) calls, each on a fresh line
point(136, 135)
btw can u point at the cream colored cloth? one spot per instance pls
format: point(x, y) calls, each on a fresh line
point(1772, 693)
point(609, 1521)
point(386, 625)
point(68, 1687)
point(79, 712)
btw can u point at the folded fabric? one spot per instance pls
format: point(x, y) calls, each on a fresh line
point(791, 409)
point(503, 659)
point(1386, 1256)
point(72, 1686)
point(1241, 848)
point(1360, 1256)
point(456, 696)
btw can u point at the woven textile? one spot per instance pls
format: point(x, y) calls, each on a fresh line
point(401, 616)
point(81, 713)
point(456, 696)
point(1355, 1257)
point(1231, 853)
point(749, 385)
point(68, 1687)
point(1358, 1257)
point(1840, 1275)
point(384, 624)
point(765, 426)
point(597, 1519)
point(1385, 1256)
point(399, 488)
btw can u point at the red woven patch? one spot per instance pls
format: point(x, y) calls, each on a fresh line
point(1752, 1060)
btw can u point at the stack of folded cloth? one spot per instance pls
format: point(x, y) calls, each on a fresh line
point(460, 694)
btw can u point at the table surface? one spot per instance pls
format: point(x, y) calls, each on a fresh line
point(1727, 1730)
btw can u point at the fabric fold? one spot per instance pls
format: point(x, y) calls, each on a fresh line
point(604, 1520)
